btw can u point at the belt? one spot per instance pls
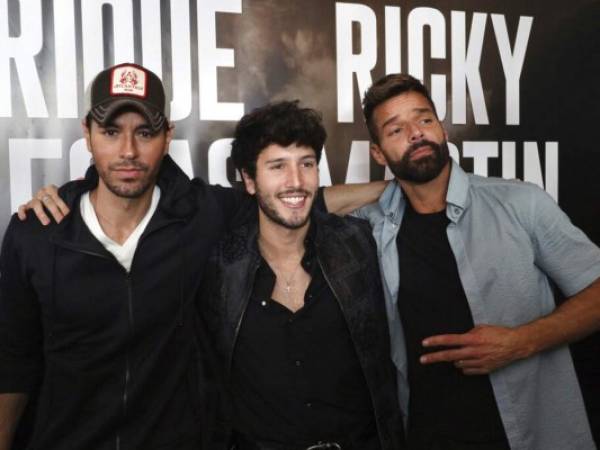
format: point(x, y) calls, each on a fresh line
point(243, 443)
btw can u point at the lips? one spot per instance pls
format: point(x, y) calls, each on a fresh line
point(421, 151)
point(128, 171)
point(295, 200)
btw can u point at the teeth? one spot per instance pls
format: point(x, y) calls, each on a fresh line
point(292, 200)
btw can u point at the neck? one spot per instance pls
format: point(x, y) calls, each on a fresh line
point(119, 216)
point(280, 242)
point(428, 197)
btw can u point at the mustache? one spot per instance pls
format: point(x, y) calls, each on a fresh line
point(295, 192)
point(423, 143)
point(129, 165)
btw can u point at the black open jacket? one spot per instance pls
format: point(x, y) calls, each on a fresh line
point(347, 255)
point(113, 354)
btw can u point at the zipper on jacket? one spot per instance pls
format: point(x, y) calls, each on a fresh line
point(127, 375)
point(337, 298)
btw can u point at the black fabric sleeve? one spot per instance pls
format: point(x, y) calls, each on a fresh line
point(20, 325)
point(238, 207)
point(320, 204)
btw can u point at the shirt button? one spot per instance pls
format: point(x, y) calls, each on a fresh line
point(263, 303)
point(308, 404)
point(456, 210)
point(298, 363)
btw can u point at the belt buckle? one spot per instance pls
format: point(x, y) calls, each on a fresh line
point(325, 446)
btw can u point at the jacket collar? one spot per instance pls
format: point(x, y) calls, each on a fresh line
point(248, 233)
point(173, 183)
point(177, 201)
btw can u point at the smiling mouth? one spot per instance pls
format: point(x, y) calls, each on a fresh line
point(293, 201)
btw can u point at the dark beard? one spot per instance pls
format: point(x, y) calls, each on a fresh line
point(423, 169)
point(272, 214)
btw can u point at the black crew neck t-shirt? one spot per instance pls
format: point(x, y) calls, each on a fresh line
point(447, 409)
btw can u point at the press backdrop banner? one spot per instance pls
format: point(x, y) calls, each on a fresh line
point(515, 82)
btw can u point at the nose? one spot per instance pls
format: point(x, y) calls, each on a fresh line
point(129, 146)
point(415, 132)
point(294, 178)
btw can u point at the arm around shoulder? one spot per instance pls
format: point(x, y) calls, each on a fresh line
point(342, 199)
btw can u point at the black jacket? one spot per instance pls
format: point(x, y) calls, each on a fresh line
point(115, 352)
point(347, 255)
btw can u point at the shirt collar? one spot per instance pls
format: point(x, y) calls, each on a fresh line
point(392, 199)
point(457, 197)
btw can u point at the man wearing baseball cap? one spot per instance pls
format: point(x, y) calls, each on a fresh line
point(97, 311)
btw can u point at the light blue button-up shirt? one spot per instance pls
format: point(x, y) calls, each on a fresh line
point(508, 238)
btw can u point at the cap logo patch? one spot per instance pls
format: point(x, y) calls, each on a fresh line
point(128, 80)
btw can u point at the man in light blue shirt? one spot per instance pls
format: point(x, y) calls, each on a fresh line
point(507, 240)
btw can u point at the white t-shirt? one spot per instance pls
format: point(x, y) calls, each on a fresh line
point(124, 253)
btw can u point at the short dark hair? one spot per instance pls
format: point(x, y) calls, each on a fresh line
point(283, 123)
point(385, 88)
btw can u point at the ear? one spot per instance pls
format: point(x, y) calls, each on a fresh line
point(377, 154)
point(248, 182)
point(87, 135)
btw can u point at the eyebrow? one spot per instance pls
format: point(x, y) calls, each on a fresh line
point(418, 111)
point(278, 160)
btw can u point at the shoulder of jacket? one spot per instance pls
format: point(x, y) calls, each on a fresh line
point(233, 245)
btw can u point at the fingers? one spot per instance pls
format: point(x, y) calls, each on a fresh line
point(464, 353)
point(55, 206)
point(447, 340)
point(472, 366)
point(46, 201)
point(468, 363)
point(22, 212)
point(53, 203)
point(38, 208)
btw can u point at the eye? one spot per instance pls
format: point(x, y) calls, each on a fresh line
point(395, 130)
point(109, 131)
point(146, 134)
point(276, 167)
point(309, 164)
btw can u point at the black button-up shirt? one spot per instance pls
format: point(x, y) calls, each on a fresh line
point(295, 377)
